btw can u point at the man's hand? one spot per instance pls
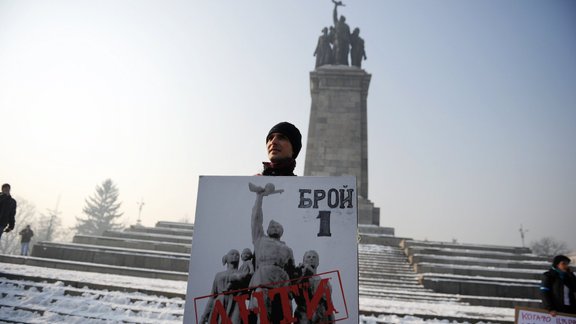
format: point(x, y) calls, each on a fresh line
point(307, 270)
point(553, 313)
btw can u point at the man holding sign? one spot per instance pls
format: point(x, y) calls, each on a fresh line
point(283, 143)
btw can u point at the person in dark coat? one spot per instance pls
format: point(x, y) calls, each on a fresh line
point(7, 210)
point(283, 143)
point(558, 288)
point(26, 234)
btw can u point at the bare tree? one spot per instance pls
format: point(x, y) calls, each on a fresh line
point(548, 247)
point(25, 215)
point(49, 227)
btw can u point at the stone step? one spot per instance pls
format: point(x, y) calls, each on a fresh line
point(386, 271)
point(400, 264)
point(383, 281)
point(388, 253)
point(491, 301)
point(383, 261)
point(380, 274)
point(167, 224)
point(25, 297)
point(424, 315)
point(391, 289)
point(410, 295)
point(474, 286)
point(382, 258)
point(93, 267)
point(393, 280)
point(156, 260)
point(73, 287)
point(373, 229)
point(405, 266)
point(38, 311)
point(161, 230)
point(511, 274)
point(463, 246)
point(132, 243)
point(412, 250)
point(538, 266)
point(149, 237)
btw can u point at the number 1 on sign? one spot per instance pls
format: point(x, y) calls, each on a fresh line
point(324, 223)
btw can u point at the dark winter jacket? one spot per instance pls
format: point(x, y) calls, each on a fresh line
point(27, 234)
point(283, 168)
point(7, 211)
point(552, 288)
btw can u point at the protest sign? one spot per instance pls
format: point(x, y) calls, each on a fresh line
point(302, 232)
point(524, 315)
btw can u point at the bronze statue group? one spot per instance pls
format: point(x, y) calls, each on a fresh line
point(336, 43)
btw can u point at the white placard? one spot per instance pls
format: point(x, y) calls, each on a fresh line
point(540, 316)
point(316, 213)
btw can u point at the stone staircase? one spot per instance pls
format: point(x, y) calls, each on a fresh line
point(481, 274)
point(32, 299)
point(386, 273)
point(395, 274)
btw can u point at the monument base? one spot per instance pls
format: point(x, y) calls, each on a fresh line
point(375, 230)
point(367, 213)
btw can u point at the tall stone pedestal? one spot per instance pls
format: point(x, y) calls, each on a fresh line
point(337, 134)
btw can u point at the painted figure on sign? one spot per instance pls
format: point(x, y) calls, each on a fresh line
point(221, 306)
point(314, 298)
point(274, 259)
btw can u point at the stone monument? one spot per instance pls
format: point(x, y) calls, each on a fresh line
point(337, 134)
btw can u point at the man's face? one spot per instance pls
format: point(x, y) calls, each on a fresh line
point(6, 190)
point(278, 147)
point(563, 266)
point(311, 258)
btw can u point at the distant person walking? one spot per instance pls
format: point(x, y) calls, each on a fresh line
point(7, 210)
point(558, 287)
point(26, 234)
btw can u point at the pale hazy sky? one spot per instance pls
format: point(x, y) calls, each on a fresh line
point(471, 108)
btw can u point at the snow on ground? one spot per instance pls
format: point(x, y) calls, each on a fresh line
point(437, 244)
point(497, 262)
point(173, 286)
point(480, 279)
point(393, 319)
point(375, 248)
point(478, 267)
point(54, 304)
point(436, 309)
point(90, 305)
point(417, 248)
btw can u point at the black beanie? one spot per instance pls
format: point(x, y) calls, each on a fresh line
point(291, 132)
point(558, 259)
